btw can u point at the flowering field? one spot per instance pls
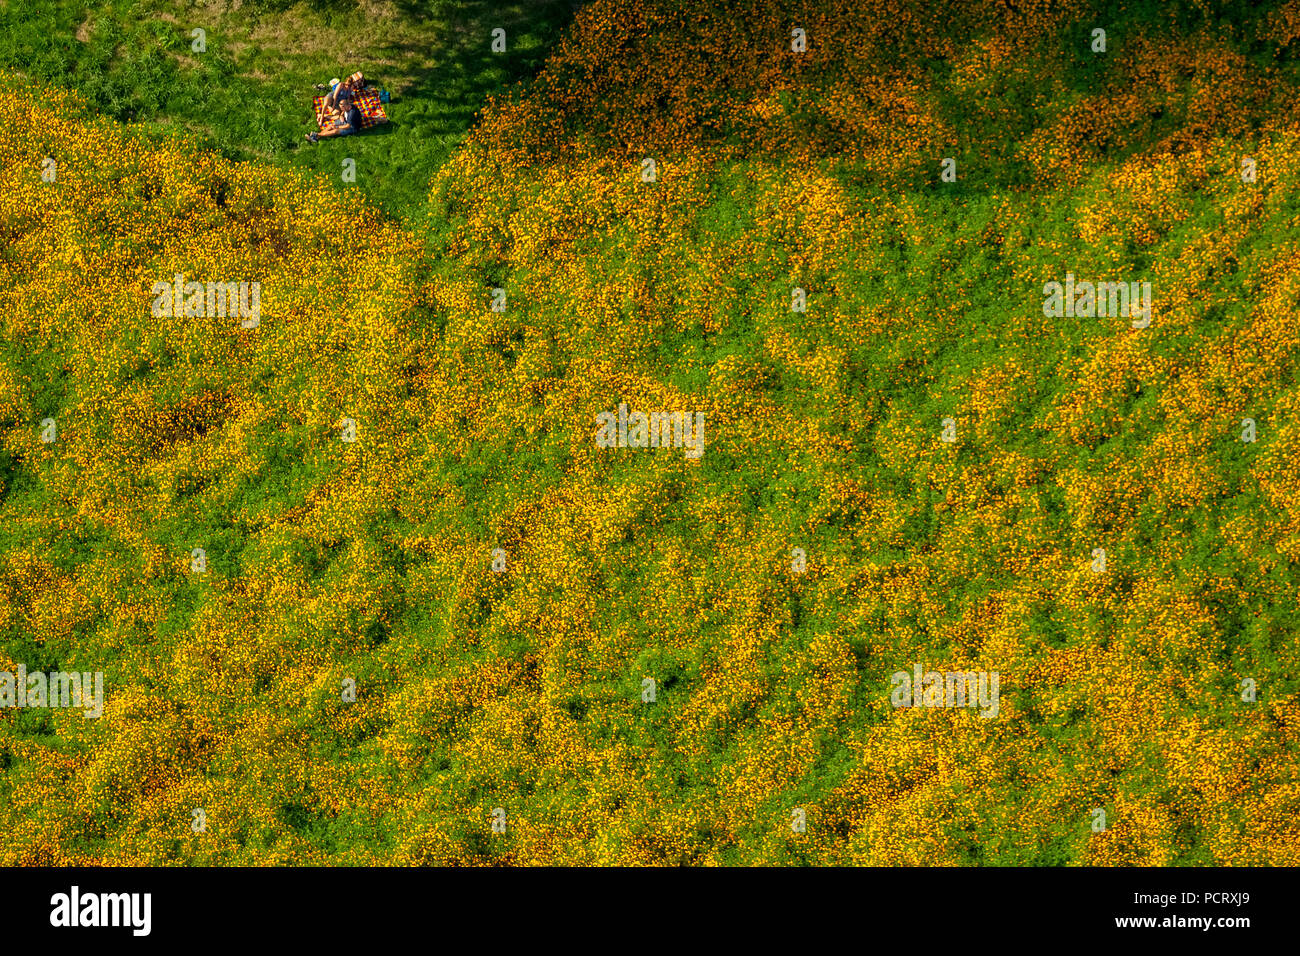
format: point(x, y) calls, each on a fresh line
point(366, 587)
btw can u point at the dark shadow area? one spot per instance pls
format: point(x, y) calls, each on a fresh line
point(469, 67)
point(668, 79)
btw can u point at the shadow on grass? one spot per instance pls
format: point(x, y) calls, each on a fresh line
point(468, 71)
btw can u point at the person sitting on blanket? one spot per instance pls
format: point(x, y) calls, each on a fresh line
point(347, 122)
point(352, 85)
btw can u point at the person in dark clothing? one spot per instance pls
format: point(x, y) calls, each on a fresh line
point(345, 123)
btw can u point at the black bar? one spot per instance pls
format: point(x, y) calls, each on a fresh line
point(331, 906)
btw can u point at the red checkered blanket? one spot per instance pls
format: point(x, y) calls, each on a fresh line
point(366, 101)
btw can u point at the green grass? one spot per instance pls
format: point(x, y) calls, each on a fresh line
point(249, 95)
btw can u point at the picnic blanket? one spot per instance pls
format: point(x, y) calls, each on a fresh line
point(366, 101)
